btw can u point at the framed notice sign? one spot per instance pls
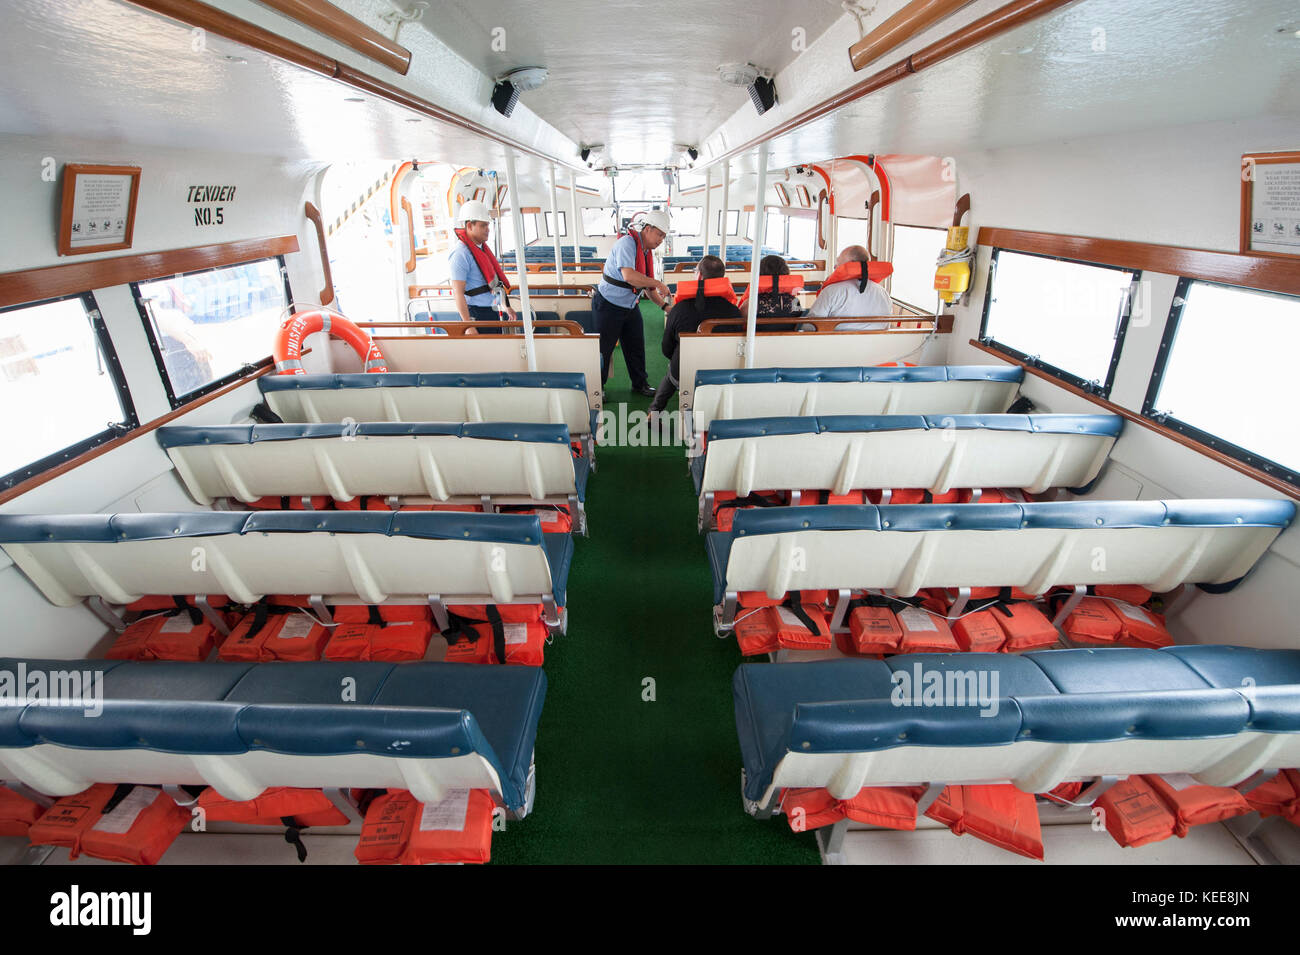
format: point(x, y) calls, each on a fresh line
point(98, 211)
point(1270, 203)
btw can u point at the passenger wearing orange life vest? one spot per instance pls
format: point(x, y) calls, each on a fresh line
point(476, 275)
point(852, 294)
point(628, 272)
point(709, 296)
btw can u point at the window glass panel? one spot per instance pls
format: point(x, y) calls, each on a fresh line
point(530, 228)
point(733, 220)
point(686, 220)
point(1219, 380)
point(564, 224)
point(803, 237)
point(55, 381)
point(598, 220)
point(849, 232)
point(1065, 314)
point(916, 252)
point(209, 325)
point(774, 232)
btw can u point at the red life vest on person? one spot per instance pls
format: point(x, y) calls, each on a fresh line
point(773, 285)
point(275, 630)
point(859, 272)
point(1000, 815)
point(394, 634)
point(643, 260)
point(487, 264)
point(496, 633)
point(133, 824)
point(17, 813)
point(400, 830)
point(689, 289)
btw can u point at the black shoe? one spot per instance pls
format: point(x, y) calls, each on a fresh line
point(644, 390)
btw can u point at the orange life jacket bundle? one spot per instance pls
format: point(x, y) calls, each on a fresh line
point(874, 625)
point(294, 809)
point(924, 631)
point(694, 289)
point(319, 502)
point(1091, 623)
point(798, 623)
point(891, 807)
point(1025, 626)
point(823, 496)
point(178, 633)
point(807, 809)
point(487, 264)
point(1065, 793)
point(276, 630)
point(17, 813)
point(554, 518)
point(400, 830)
point(1134, 814)
point(915, 495)
point(1140, 627)
point(1193, 803)
point(134, 824)
point(1279, 796)
point(725, 505)
point(1000, 815)
point(508, 633)
point(979, 632)
point(773, 285)
point(381, 636)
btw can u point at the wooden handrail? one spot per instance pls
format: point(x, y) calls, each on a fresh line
point(429, 291)
point(325, 18)
point(55, 281)
point(1276, 483)
point(410, 233)
point(459, 329)
point(917, 17)
point(714, 326)
point(312, 213)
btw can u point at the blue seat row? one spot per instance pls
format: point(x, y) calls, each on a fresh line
point(1105, 425)
point(487, 379)
point(851, 373)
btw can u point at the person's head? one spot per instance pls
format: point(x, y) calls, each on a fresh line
point(711, 267)
point(653, 226)
point(854, 253)
point(476, 218)
point(773, 265)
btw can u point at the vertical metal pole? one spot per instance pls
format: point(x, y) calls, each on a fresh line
point(726, 201)
point(708, 207)
point(575, 224)
point(512, 180)
point(760, 229)
point(555, 236)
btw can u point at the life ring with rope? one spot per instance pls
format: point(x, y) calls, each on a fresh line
point(295, 329)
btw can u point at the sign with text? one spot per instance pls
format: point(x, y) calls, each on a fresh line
point(98, 209)
point(1270, 203)
point(210, 203)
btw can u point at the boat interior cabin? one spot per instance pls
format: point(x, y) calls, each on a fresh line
point(862, 437)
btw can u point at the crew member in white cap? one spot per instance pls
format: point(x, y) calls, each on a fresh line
point(629, 272)
point(476, 276)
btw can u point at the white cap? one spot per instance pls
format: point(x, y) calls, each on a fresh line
point(474, 211)
point(656, 218)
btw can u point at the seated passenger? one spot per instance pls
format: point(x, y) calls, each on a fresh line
point(773, 303)
point(844, 298)
point(685, 317)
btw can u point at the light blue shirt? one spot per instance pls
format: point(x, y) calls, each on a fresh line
point(465, 269)
point(621, 256)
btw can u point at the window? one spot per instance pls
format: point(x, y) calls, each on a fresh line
point(733, 221)
point(1224, 374)
point(781, 193)
point(803, 237)
point(686, 220)
point(774, 232)
point(598, 220)
point(506, 223)
point(805, 200)
point(916, 251)
point(1065, 317)
point(57, 366)
point(849, 232)
point(207, 327)
point(564, 224)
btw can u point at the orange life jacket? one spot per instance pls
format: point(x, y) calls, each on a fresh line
point(319, 502)
point(134, 824)
point(487, 264)
point(554, 518)
point(1065, 793)
point(823, 496)
point(726, 503)
point(179, 633)
point(807, 809)
point(873, 625)
point(380, 637)
point(1000, 815)
point(774, 285)
point(1279, 796)
point(400, 830)
point(1025, 626)
point(507, 633)
point(1092, 623)
point(1141, 627)
point(17, 813)
point(979, 632)
point(859, 272)
point(1194, 804)
point(275, 631)
point(294, 809)
point(916, 495)
point(799, 623)
point(923, 631)
point(689, 289)
point(892, 807)
point(1134, 814)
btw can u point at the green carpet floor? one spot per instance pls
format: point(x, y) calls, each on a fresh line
point(619, 779)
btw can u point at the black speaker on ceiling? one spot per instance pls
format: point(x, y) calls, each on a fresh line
point(585, 152)
point(504, 97)
point(763, 92)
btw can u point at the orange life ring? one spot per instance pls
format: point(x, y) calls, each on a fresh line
point(288, 341)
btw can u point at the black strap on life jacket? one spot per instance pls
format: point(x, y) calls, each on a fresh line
point(293, 836)
point(121, 792)
point(796, 608)
point(865, 280)
point(753, 499)
point(375, 619)
point(183, 606)
point(498, 632)
point(462, 628)
point(262, 611)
